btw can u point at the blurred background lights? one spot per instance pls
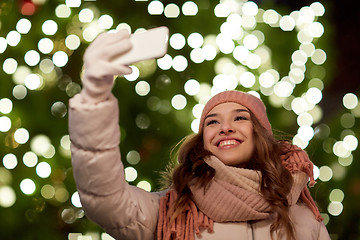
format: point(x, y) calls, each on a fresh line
point(177, 41)
point(155, 7)
point(190, 8)
point(33, 81)
point(75, 200)
point(32, 58)
point(62, 11)
point(247, 79)
point(7, 196)
point(192, 87)
point(13, 38)
point(305, 119)
point(133, 157)
point(45, 45)
point(346, 161)
point(196, 55)
point(326, 173)
point(27, 186)
point(340, 150)
point(226, 44)
point(90, 33)
point(350, 142)
point(317, 8)
point(195, 40)
point(20, 74)
point(60, 58)
point(318, 57)
point(47, 191)
point(3, 44)
point(142, 88)
point(179, 63)
point(144, 185)
point(178, 102)
point(30, 159)
point(165, 63)
point(49, 27)
point(72, 42)
point(208, 52)
point(250, 42)
point(222, 10)
point(315, 29)
point(105, 21)
point(249, 22)
point(316, 172)
point(21, 135)
point(142, 121)
point(10, 65)
point(43, 170)
point(23, 26)
point(266, 79)
point(271, 17)
point(134, 75)
point(195, 125)
point(65, 142)
point(40, 144)
point(299, 57)
point(61, 194)
point(350, 101)
point(130, 174)
point(59, 109)
point(6, 105)
point(73, 3)
point(171, 10)
point(314, 95)
point(335, 208)
point(5, 124)
point(287, 23)
point(46, 65)
point(10, 161)
point(241, 53)
point(306, 132)
point(250, 8)
point(86, 15)
point(253, 61)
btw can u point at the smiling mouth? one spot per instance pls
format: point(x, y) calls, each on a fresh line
point(226, 143)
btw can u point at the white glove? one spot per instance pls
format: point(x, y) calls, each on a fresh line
point(99, 72)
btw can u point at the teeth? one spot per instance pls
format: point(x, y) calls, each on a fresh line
point(227, 143)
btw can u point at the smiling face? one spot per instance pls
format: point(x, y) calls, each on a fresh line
point(228, 134)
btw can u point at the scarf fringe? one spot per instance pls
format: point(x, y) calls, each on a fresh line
point(183, 226)
point(296, 159)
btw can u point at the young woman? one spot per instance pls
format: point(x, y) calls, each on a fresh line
point(233, 180)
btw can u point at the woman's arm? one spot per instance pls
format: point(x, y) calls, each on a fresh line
point(124, 211)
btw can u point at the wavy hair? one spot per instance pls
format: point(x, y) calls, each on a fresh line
point(276, 181)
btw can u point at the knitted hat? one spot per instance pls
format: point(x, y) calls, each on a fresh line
point(254, 104)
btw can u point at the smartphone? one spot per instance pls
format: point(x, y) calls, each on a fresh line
point(150, 44)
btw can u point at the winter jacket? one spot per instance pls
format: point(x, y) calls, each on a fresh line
point(127, 212)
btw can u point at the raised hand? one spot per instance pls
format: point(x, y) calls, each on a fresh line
point(99, 64)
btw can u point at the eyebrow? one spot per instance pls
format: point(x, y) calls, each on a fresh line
point(236, 111)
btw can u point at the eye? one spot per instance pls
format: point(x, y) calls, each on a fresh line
point(239, 118)
point(211, 122)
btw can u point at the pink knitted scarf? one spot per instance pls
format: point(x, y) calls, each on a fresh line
point(233, 195)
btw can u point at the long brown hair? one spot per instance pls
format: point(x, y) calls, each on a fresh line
point(276, 181)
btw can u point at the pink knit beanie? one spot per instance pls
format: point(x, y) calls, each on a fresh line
point(254, 104)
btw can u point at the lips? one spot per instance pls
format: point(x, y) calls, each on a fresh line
point(228, 142)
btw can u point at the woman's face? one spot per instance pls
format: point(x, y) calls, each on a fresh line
point(228, 134)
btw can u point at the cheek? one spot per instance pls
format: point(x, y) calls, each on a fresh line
point(206, 139)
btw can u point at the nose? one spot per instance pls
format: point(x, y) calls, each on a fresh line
point(226, 128)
